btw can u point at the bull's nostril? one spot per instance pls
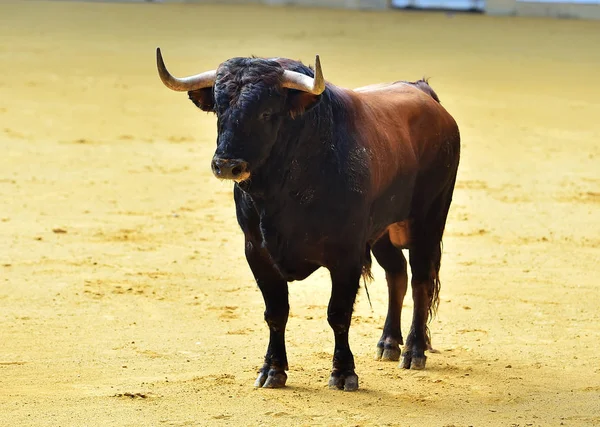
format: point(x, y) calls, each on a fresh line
point(237, 170)
point(216, 168)
point(229, 168)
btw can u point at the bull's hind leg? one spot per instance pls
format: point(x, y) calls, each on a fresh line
point(424, 285)
point(393, 262)
point(275, 293)
point(425, 258)
point(339, 314)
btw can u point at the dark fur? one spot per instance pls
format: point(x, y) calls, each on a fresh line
point(307, 203)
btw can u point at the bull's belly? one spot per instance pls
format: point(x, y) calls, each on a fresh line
point(391, 210)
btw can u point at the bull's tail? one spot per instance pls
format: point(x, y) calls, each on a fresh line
point(442, 214)
point(367, 276)
point(366, 268)
point(436, 285)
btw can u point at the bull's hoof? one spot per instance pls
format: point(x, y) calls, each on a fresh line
point(412, 361)
point(271, 379)
point(347, 381)
point(388, 350)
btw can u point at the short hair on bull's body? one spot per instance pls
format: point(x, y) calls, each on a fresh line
point(325, 177)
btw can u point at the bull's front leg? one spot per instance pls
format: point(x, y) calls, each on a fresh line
point(275, 293)
point(339, 314)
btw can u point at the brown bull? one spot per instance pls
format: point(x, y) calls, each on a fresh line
point(323, 177)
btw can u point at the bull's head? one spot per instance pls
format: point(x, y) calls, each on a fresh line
point(251, 98)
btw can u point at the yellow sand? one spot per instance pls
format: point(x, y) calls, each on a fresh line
point(125, 298)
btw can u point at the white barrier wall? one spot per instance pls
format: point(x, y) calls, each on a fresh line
point(347, 4)
point(583, 9)
point(350, 4)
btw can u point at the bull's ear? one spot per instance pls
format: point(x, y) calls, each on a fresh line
point(299, 102)
point(203, 99)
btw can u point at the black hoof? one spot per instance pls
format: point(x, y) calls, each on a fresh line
point(388, 350)
point(412, 361)
point(343, 381)
point(271, 379)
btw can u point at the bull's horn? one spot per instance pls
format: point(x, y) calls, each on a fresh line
point(299, 81)
point(199, 81)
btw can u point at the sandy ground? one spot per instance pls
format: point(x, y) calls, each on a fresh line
point(125, 299)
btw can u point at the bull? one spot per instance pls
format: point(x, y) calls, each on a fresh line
point(324, 177)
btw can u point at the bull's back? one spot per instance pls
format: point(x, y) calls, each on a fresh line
point(406, 130)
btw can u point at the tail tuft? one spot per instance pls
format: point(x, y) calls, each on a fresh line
point(366, 268)
point(367, 275)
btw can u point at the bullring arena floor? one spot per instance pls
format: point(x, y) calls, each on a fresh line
point(125, 299)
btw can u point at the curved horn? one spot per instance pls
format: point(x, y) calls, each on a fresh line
point(299, 81)
point(198, 81)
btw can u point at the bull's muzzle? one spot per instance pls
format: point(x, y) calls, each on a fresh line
point(235, 169)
